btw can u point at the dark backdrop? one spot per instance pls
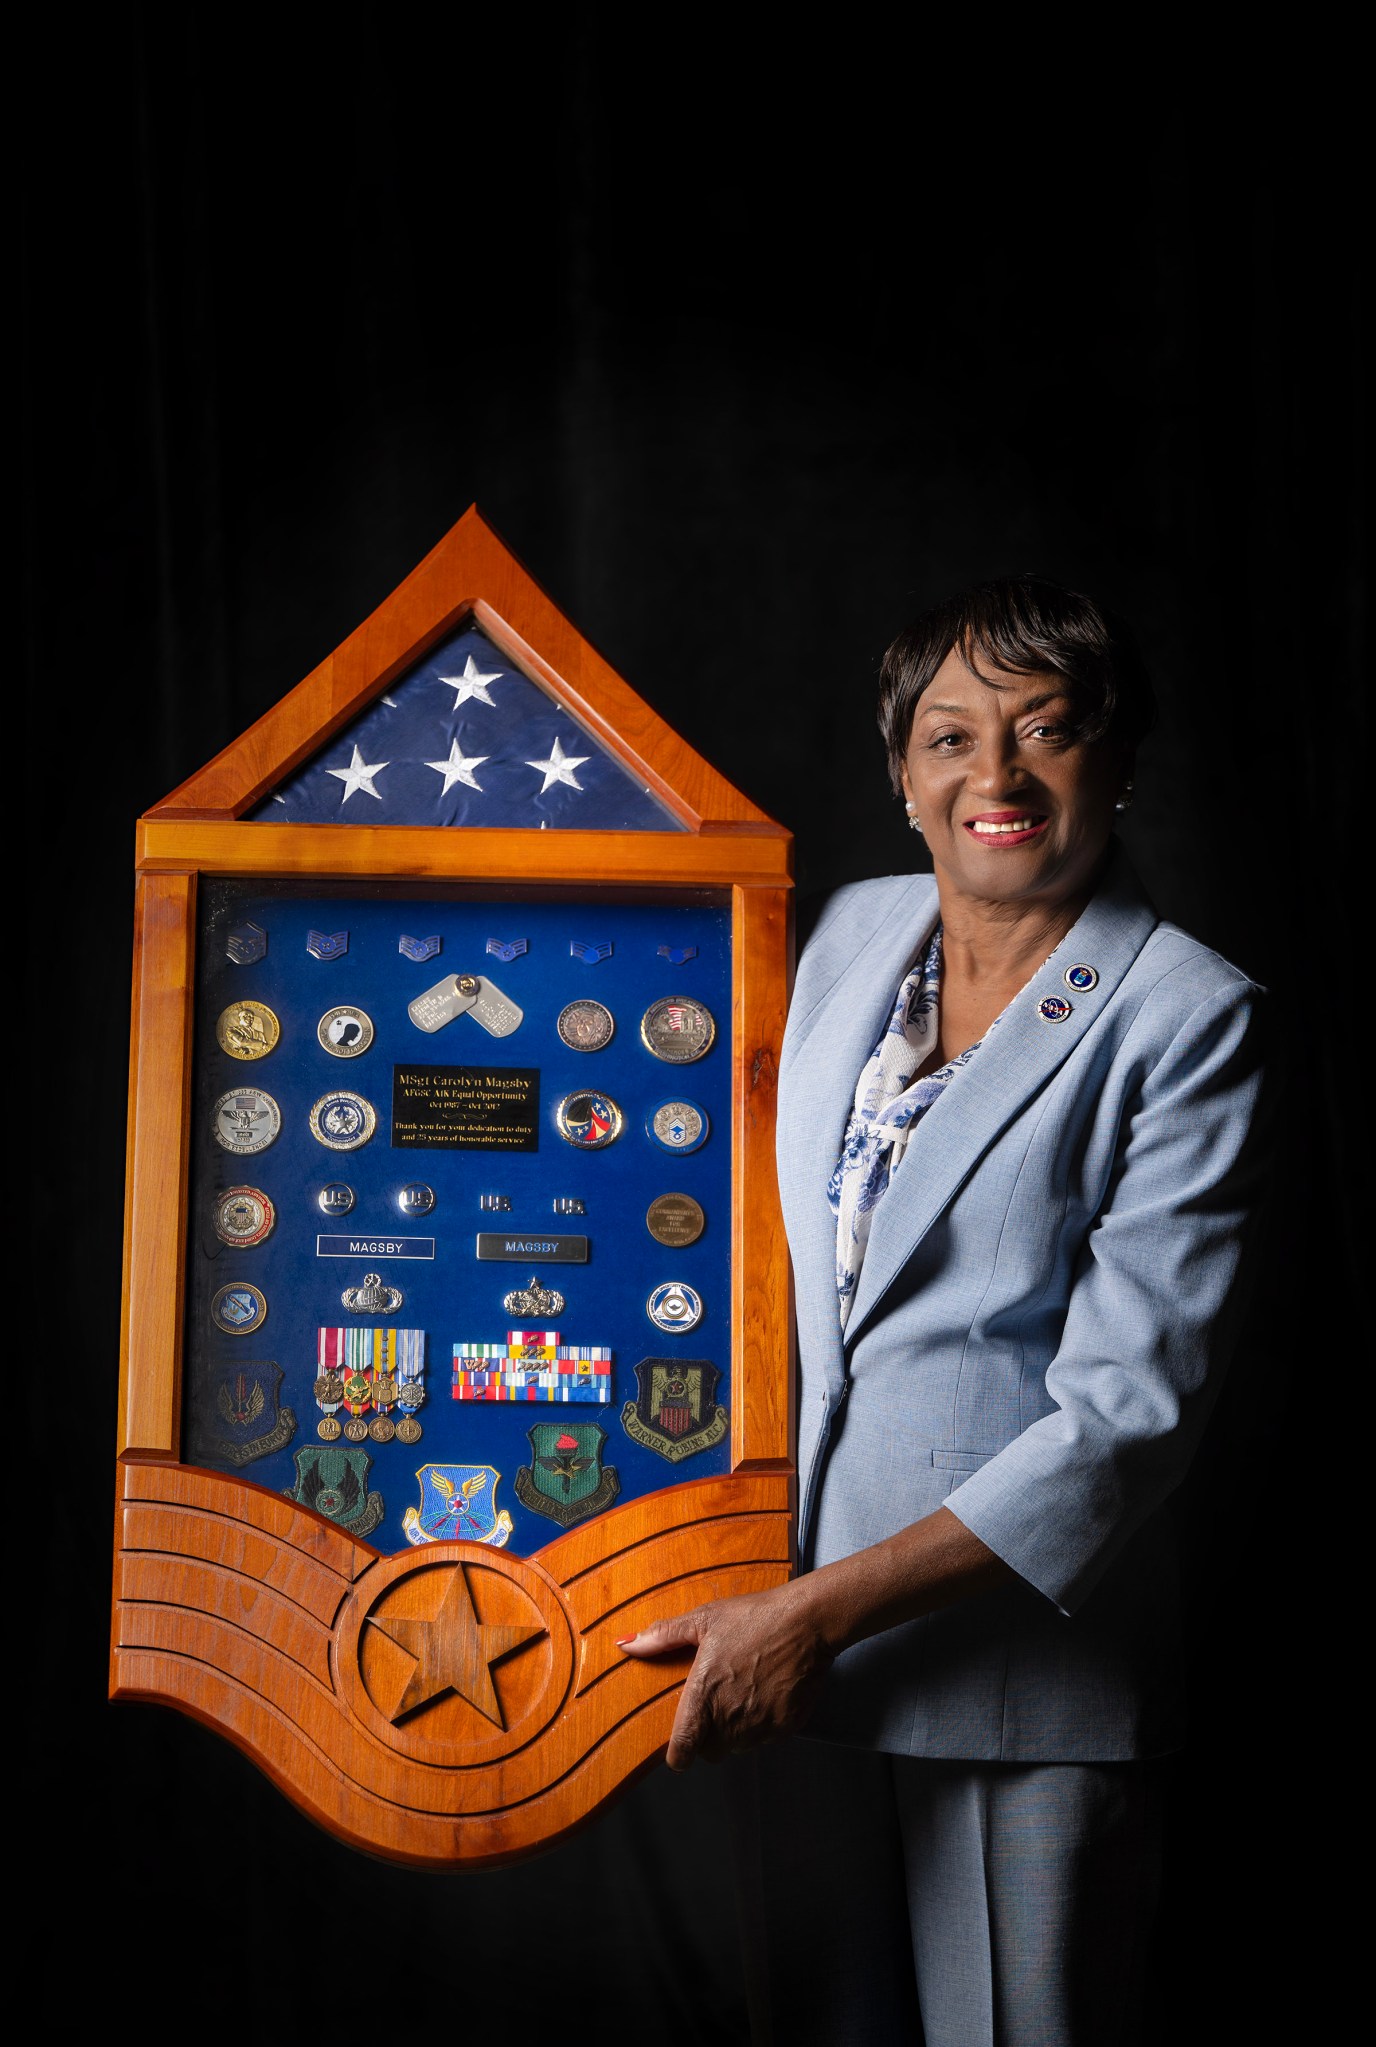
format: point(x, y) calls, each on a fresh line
point(748, 358)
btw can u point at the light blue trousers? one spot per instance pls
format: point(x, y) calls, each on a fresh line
point(886, 1899)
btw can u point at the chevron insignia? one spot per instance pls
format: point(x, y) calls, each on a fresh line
point(677, 954)
point(419, 948)
point(327, 945)
point(245, 944)
point(590, 954)
point(508, 948)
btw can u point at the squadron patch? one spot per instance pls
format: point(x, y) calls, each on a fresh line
point(334, 1481)
point(458, 1503)
point(675, 1413)
point(247, 1422)
point(566, 1479)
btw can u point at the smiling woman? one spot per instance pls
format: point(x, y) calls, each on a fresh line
point(1017, 1155)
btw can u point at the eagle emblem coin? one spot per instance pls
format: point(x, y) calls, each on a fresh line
point(245, 1120)
point(243, 1216)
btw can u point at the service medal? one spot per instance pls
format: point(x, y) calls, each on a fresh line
point(677, 1029)
point(243, 1216)
point(343, 1120)
point(247, 1030)
point(245, 1120)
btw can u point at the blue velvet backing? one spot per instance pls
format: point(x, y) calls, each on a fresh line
point(421, 719)
point(455, 1297)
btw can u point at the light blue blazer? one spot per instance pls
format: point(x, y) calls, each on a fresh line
point(1039, 1325)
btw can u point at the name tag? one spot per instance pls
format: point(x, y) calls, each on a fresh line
point(374, 1247)
point(518, 1250)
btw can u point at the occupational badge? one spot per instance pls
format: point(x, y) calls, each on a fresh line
point(508, 948)
point(345, 1032)
point(674, 1308)
point(677, 1029)
point(372, 1298)
point(335, 1198)
point(245, 1120)
point(585, 1025)
point(679, 1126)
point(327, 945)
point(343, 1120)
point(246, 944)
point(243, 1216)
point(590, 954)
point(239, 1309)
point(533, 1365)
point(566, 1479)
point(677, 955)
point(334, 1481)
point(419, 949)
point(675, 1413)
point(246, 1421)
point(589, 1121)
point(534, 1300)
point(675, 1219)
point(247, 1030)
point(458, 1503)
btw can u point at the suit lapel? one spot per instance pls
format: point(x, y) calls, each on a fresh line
point(987, 1095)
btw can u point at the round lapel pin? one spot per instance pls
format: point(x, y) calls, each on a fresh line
point(1053, 1009)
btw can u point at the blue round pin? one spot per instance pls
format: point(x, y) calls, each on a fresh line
point(1053, 1009)
point(1082, 979)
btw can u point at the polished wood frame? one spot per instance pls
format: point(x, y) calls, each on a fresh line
point(245, 1610)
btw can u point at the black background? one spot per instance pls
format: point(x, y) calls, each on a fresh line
point(749, 354)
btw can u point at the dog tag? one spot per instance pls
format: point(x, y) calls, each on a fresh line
point(454, 996)
point(496, 1012)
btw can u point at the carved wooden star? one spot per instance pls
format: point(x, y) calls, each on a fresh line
point(454, 1651)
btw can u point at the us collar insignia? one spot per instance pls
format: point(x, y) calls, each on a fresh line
point(458, 1503)
point(508, 948)
point(334, 1482)
point(566, 1479)
point(245, 944)
point(419, 948)
point(675, 1413)
point(246, 1422)
point(327, 945)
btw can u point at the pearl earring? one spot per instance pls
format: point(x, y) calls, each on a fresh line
point(914, 821)
point(1125, 800)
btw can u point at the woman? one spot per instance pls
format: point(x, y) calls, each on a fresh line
point(1015, 1156)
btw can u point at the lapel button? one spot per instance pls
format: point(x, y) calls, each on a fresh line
point(1053, 1009)
point(1082, 979)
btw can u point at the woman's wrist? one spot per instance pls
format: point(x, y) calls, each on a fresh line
point(930, 1564)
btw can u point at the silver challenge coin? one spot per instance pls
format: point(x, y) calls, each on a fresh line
point(345, 1032)
point(245, 1120)
point(585, 1026)
point(674, 1308)
point(343, 1120)
point(679, 1126)
point(677, 1029)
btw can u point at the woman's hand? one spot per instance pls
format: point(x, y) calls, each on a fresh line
point(760, 1660)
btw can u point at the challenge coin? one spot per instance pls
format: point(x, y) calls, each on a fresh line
point(678, 1126)
point(588, 1120)
point(239, 1309)
point(345, 1032)
point(243, 1216)
point(675, 1219)
point(335, 1198)
point(247, 1030)
point(343, 1120)
point(677, 1029)
point(245, 1120)
point(585, 1026)
point(674, 1308)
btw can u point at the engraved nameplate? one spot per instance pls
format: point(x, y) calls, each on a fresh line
point(466, 1108)
point(521, 1250)
point(363, 1246)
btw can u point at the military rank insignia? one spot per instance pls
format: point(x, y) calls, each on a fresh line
point(675, 1414)
point(533, 1365)
point(369, 1372)
point(508, 948)
point(246, 1421)
point(677, 955)
point(566, 1479)
point(334, 1481)
point(458, 1503)
point(327, 945)
point(246, 944)
point(419, 949)
point(590, 955)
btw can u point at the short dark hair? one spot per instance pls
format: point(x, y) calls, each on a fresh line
point(1022, 624)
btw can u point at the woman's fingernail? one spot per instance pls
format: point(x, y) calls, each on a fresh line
point(625, 1641)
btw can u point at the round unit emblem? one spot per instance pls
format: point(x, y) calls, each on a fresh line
point(589, 1121)
point(416, 1198)
point(343, 1120)
point(674, 1308)
point(335, 1198)
point(239, 1309)
point(1082, 979)
point(243, 1216)
point(585, 1026)
point(675, 1219)
point(1053, 1009)
point(678, 1126)
point(245, 1120)
point(345, 1032)
point(247, 1030)
point(677, 1029)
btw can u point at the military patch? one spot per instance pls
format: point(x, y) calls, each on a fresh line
point(419, 949)
point(533, 1365)
point(245, 944)
point(675, 1414)
point(677, 954)
point(334, 1482)
point(327, 945)
point(508, 948)
point(458, 1503)
point(534, 1300)
point(590, 954)
point(247, 1421)
point(566, 1479)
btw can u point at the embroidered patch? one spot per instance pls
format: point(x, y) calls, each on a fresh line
point(246, 1422)
point(458, 1503)
point(566, 1479)
point(334, 1482)
point(675, 1413)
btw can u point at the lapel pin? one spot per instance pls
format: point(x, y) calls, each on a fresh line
point(1081, 979)
point(1053, 1009)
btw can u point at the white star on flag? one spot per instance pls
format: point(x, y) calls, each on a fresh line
point(559, 767)
point(358, 775)
point(472, 683)
point(457, 769)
